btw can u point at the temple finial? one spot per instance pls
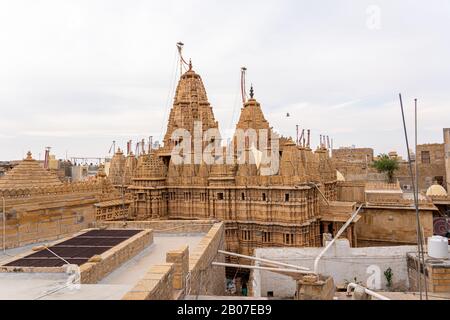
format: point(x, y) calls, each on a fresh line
point(251, 92)
point(29, 157)
point(190, 64)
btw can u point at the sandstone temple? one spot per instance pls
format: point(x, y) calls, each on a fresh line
point(292, 207)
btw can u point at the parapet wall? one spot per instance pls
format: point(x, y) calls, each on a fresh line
point(206, 279)
point(163, 226)
point(185, 273)
point(98, 266)
point(93, 272)
point(47, 218)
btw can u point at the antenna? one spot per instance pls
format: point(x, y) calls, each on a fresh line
point(180, 46)
point(113, 147)
point(243, 89)
point(46, 157)
point(309, 138)
point(420, 252)
point(296, 137)
point(128, 147)
point(303, 136)
point(150, 144)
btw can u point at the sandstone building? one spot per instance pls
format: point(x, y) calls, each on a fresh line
point(283, 209)
point(39, 207)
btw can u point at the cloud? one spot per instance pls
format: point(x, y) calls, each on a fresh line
point(77, 75)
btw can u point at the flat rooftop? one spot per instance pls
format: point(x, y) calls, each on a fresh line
point(51, 286)
point(76, 250)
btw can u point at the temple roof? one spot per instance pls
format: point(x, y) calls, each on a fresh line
point(28, 174)
point(190, 105)
point(117, 168)
point(151, 167)
point(436, 190)
point(252, 116)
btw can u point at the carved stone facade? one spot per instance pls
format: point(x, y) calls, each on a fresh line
point(282, 209)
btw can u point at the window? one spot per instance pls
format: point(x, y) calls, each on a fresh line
point(425, 155)
point(266, 236)
point(242, 196)
point(269, 294)
point(288, 238)
point(264, 196)
point(286, 197)
point(439, 180)
point(220, 196)
point(246, 235)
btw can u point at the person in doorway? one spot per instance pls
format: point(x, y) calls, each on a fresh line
point(244, 289)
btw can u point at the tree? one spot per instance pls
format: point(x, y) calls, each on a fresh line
point(386, 165)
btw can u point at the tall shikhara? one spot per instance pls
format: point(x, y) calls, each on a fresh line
point(190, 105)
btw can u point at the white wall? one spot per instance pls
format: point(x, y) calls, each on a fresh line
point(341, 262)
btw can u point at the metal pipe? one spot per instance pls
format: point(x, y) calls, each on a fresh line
point(267, 261)
point(417, 194)
point(245, 266)
point(338, 234)
point(323, 196)
point(416, 204)
point(369, 292)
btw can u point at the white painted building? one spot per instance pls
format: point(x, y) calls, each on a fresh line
point(345, 264)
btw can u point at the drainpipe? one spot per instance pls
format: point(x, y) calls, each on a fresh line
point(367, 291)
point(338, 234)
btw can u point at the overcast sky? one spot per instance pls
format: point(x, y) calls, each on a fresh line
point(75, 75)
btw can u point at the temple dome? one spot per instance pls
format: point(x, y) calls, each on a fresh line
point(117, 168)
point(28, 174)
point(436, 190)
point(151, 167)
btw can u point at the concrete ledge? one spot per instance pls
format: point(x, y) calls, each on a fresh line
point(163, 226)
point(205, 278)
point(156, 284)
point(92, 272)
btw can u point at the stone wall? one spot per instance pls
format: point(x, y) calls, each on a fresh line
point(206, 279)
point(437, 275)
point(430, 165)
point(92, 272)
point(391, 224)
point(47, 218)
point(351, 191)
point(155, 285)
point(341, 262)
point(165, 226)
point(185, 273)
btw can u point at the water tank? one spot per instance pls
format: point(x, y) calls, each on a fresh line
point(438, 247)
